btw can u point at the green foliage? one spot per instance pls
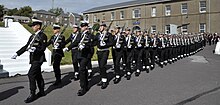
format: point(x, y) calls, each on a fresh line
point(12, 12)
point(56, 11)
point(1, 11)
point(25, 11)
point(2, 24)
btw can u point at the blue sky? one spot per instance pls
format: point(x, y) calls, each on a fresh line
point(77, 6)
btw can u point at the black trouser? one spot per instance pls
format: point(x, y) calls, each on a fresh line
point(113, 57)
point(166, 54)
point(146, 56)
point(34, 75)
point(102, 60)
point(124, 57)
point(170, 54)
point(83, 73)
point(118, 56)
point(75, 60)
point(56, 66)
point(89, 65)
point(161, 54)
point(152, 55)
point(129, 59)
point(138, 56)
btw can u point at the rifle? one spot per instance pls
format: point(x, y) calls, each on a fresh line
point(34, 38)
point(59, 36)
point(102, 39)
point(109, 26)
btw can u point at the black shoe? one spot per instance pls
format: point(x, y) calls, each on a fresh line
point(41, 94)
point(76, 77)
point(137, 74)
point(147, 70)
point(81, 92)
point(30, 98)
point(104, 85)
point(128, 77)
point(89, 75)
point(117, 80)
point(100, 83)
point(161, 65)
point(56, 83)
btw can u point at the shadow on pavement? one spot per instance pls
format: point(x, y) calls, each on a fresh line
point(65, 81)
point(96, 78)
point(8, 93)
point(197, 96)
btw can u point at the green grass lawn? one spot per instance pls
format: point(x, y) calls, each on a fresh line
point(2, 24)
point(67, 59)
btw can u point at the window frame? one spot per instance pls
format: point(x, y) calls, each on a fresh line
point(184, 10)
point(167, 12)
point(134, 15)
point(200, 7)
point(153, 13)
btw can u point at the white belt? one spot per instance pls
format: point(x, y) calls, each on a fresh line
point(105, 49)
point(74, 48)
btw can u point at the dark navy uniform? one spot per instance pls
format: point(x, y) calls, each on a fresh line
point(118, 49)
point(74, 50)
point(37, 57)
point(103, 40)
point(57, 55)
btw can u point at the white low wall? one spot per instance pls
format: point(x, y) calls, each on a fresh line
point(24, 35)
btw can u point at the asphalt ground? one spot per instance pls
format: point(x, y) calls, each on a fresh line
point(194, 80)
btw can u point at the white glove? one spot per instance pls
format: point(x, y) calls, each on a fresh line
point(32, 49)
point(65, 49)
point(14, 56)
point(129, 46)
point(56, 45)
point(81, 47)
point(102, 44)
point(118, 46)
point(139, 45)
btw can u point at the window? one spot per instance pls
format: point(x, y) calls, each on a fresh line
point(184, 28)
point(122, 15)
point(51, 23)
point(153, 29)
point(46, 16)
point(112, 15)
point(136, 13)
point(95, 18)
point(202, 27)
point(65, 19)
point(184, 8)
point(41, 15)
point(153, 11)
point(167, 29)
point(103, 16)
point(51, 17)
point(86, 18)
point(167, 10)
point(202, 6)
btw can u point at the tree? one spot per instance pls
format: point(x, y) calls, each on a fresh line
point(56, 11)
point(1, 11)
point(24, 11)
point(12, 12)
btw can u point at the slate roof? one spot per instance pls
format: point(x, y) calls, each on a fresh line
point(123, 5)
point(44, 12)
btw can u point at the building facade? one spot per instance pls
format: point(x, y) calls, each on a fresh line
point(160, 15)
point(47, 17)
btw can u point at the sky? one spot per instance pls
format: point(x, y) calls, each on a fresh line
point(77, 6)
